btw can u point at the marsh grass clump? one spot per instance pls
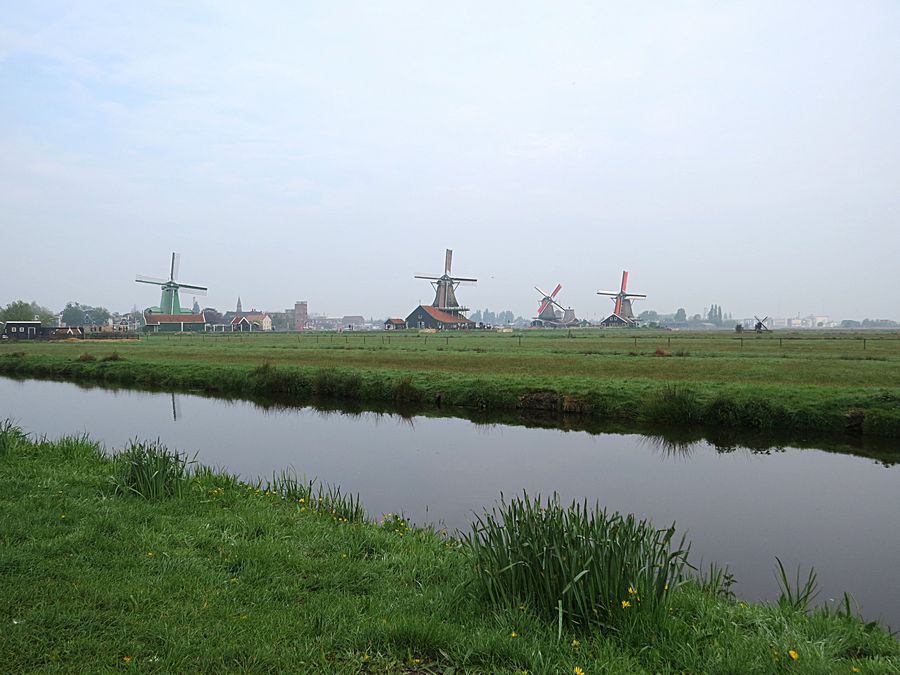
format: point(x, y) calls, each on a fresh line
point(407, 392)
point(795, 595)
point(575, 565)
point(324, 498)
point(11, 437)
point(113, 356)
point(86, 357)
point(672, 404)
point(151, 471)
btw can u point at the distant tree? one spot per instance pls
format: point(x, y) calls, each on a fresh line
point(648, 315)
point(476, 316)
point(738, 328)
point(213, 315)
point(73, 314)
point(850, 323)
point(681, 315)
point(18, 311)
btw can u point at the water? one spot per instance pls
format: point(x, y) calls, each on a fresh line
point(840, 513)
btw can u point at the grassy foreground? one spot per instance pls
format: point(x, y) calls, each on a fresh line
point(833, 383)
point(212, 575)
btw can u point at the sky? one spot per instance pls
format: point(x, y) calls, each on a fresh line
point(739, 153)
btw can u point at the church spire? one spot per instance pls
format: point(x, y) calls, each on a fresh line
point(239, 310)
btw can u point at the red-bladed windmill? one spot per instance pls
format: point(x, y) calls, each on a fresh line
point(622, 315)
point(445, 288)
point(547, 315)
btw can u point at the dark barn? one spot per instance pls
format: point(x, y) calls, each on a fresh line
point(426, 316)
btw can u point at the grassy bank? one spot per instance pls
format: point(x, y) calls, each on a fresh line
point(835, 385)
point(107, 566)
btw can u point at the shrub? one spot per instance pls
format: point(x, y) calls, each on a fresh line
point(87, 357)
point(150, 470)
point(662, 352)
point(11, 436)
point(114, 356)
point(575, 565)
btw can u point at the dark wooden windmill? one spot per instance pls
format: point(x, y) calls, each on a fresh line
point(761, 326)
point(445, 288)
point(623, 314)
point(550, 313)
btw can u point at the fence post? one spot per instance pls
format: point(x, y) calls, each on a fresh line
point(670, 341)
point(635, 341)
point(520, 340)
point(864, 344)
point(742, 343)
point(779, 342)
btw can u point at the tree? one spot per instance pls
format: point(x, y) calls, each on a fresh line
point(27, 311)
point(681, 315)
point(73, 314)
point(648, 315)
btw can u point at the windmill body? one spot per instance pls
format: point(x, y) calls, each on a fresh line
point(622, 315)
point(169, 302)
point(445, 288)
point(551, 314)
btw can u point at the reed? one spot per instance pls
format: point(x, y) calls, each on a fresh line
point(794, 594)
point(151, 471)
point(575, 565)
point(11, 437)
point(323, 498)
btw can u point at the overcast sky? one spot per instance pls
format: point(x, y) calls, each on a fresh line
point(745, 154)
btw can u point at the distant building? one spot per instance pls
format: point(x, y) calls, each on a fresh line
point(252, 322)
point(301, 315)
point(174, 323)
point(395, 324)
point(22, 330)
point(426, 316)
point(353, 322)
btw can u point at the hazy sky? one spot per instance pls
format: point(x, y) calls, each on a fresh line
point(745, 154)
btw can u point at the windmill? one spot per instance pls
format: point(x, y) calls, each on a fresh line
point(445, 288)
point(547, 314)
point(761, 324)
point(622, 315)
point(169, 302)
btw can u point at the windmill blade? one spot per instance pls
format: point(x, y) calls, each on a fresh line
point(462, 279)
point(198, 291)
point(542, 292)
point(193, 287)
point(556, 290)
point(543, 305)
point(142, 279)
point(624, 280)
point(420, 276)
point(635, 295)
point(606, 293)
point(176, 265)
point(448, 260)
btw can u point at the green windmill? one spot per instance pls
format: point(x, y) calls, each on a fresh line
point(169, 302)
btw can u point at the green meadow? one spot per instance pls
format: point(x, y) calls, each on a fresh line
point(827, 382)
point(135, 560)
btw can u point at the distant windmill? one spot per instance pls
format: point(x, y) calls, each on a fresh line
point(169, 302)
point(622, 315)
point(548, 316)
point(760, 324)
point(445, 288)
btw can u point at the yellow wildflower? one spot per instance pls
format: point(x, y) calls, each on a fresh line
point(625, 604)
point(794, 655)
point(576, 644)
point(127, 659)
point(632, 590)
point(577, 670)
point(854, 669)
point(514, 634)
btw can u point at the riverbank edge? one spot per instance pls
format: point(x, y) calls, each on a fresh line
point(99, 581)
point(749, 407)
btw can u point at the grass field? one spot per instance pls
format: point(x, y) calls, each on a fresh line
point(219, 576)
point(833, 382)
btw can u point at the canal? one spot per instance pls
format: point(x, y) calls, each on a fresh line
point(837, 512)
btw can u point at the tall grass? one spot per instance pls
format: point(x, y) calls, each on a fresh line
point(11, 436)
point(575, 565)
point(151, 471)
point(794, 594)
point(324, 498)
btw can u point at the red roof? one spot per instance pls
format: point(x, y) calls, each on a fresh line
point(396, 322)
point(153, 319)
point(445, 317)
